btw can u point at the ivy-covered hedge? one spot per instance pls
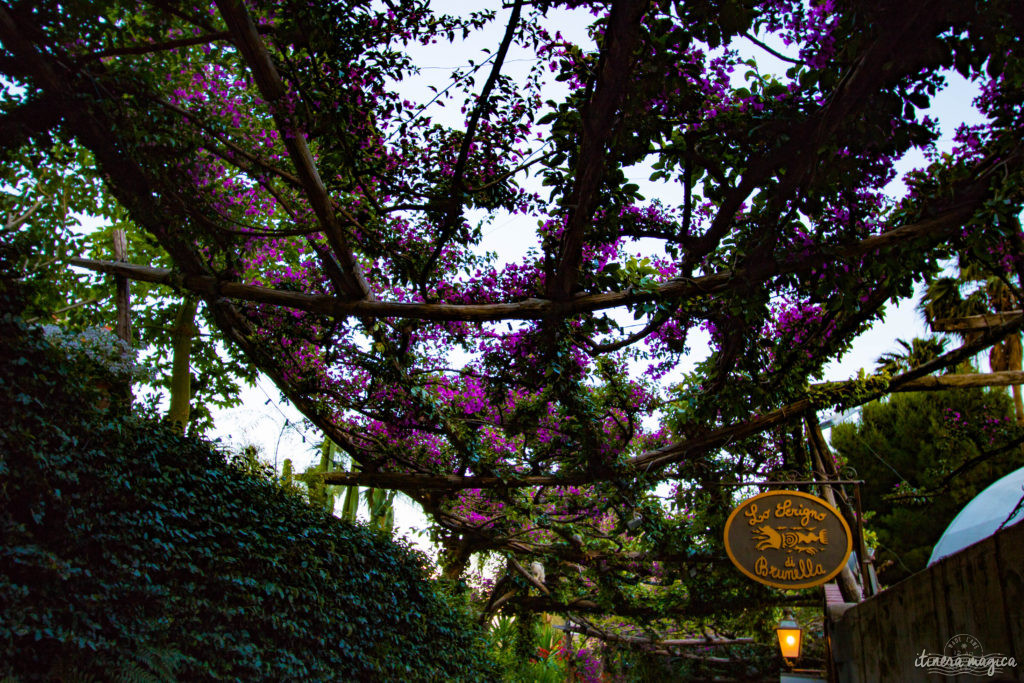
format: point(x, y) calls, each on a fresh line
point(129, 552)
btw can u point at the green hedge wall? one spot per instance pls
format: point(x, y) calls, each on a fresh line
point(127, 552)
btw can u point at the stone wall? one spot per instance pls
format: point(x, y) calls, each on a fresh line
point(978, 591)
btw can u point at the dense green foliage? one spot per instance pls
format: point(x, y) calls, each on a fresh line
point(127, 548)
point(925, 456)
point(531, 650)
point(60, 206)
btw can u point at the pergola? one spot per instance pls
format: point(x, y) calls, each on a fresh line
point(326, 225)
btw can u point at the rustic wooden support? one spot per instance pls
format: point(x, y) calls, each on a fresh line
point(852, 590)
point(122, 288)
point(974, 322)
point(1009, 351)
point(537, 309)
point(941, 382)
point(657, 642)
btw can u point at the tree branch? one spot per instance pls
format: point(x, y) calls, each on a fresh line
point(155, 47)
point(458, 185)
point(544, 604)
point(654, 642)
point(615, 71)
point(933, 229)
point(353, 285)
point(652, 461)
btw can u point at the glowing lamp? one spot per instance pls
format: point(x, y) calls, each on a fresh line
point(790, 637)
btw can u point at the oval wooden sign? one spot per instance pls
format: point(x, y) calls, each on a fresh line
point(788, 539)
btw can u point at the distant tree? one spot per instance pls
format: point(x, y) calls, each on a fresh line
point(925, 456)
point(379, 502)
point(916, 352)
point(978, 288)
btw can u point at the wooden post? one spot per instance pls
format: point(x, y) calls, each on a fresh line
point(972, 323)
point(570, 655)
point(851, 590)
point(122, 288)
point(1009, 350)
point(181, 373)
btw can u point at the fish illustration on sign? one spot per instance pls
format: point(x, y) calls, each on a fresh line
point(767, 537)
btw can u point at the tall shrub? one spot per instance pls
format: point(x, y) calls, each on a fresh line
point(127, 548)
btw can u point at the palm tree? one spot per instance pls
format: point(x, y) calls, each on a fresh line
point(917, 352)
point(321, 494)
point(974, 292)
point(379, 502)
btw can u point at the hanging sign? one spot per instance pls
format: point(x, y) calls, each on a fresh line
point(788, 539)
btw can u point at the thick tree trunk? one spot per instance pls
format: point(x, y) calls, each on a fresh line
point(181, 374)
point(457, 557)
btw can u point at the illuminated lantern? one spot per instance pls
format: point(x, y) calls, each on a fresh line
point(790, 636)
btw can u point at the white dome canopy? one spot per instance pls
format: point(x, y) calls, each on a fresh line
point(983, 516)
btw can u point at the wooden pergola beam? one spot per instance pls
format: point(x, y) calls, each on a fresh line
point(537, 309)
point(940, 382)
point(974, 322)
point(424, 482)
point(658, 642)
point(540, 603)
